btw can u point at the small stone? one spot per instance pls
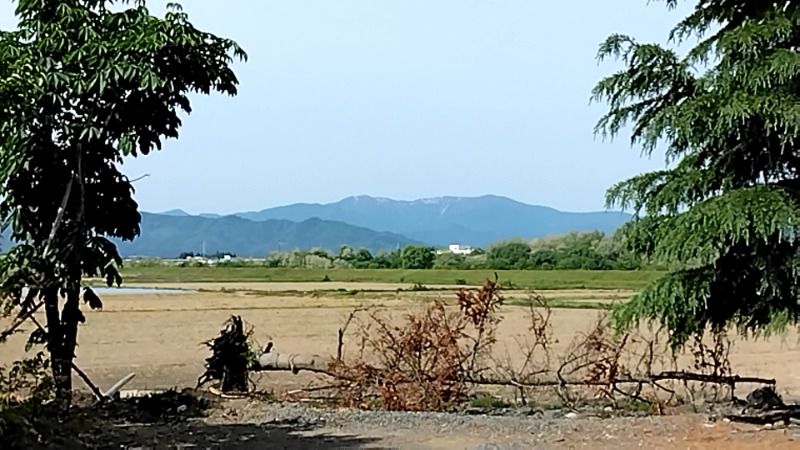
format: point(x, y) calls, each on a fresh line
point(551, 414)
point(182, 408)
point(570, 415)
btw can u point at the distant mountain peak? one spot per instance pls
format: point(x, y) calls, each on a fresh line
point(175, 213)
point(431, 200)
point(363, 198)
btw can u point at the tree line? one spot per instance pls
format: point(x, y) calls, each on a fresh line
point(588, 250)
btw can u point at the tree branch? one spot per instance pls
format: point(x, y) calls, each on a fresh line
point(19, 320)
point(82, 374)
point(782, 415)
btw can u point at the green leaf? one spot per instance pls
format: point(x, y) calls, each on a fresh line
point(90, 297)
point(37, 337)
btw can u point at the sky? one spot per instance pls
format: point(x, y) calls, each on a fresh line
point(403, 99)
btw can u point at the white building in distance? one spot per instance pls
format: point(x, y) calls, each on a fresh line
point(460, 249)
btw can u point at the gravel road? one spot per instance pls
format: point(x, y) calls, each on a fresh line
point(176, 423)
point(251, 425)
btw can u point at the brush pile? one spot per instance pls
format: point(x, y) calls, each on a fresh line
point(231, 357)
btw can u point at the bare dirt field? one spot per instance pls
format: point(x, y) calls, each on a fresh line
point(159, 336)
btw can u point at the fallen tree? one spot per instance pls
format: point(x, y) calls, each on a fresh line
point(297, 362)
point(433, 357)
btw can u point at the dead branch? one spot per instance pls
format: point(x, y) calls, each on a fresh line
point(651, 379)
point(88, 381)
point(311, 389)
point(730, 380)
point(343, 330)
point(783, 415)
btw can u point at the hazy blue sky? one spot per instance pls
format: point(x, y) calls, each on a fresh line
point(402, 99)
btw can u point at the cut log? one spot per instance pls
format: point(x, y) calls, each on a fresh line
point(294, 362)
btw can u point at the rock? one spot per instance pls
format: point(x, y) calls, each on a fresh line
point(476, 411)
point(182, 408)
point(552, 414)
point(570, 415)
point(528, 411)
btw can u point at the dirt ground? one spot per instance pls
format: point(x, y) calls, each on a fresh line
point(299, 428)
point(159, 338)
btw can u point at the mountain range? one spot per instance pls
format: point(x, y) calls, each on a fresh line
point(361, 221)
point(169, 235)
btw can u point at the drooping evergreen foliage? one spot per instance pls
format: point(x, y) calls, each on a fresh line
point(726, 211)
point(82, 86)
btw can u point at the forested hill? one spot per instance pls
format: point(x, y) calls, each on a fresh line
point(168, 235)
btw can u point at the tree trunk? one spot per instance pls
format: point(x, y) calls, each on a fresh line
point(62, 334)
point(62, 370)
point(70, 317)
point(234, 377)
point(71, 314)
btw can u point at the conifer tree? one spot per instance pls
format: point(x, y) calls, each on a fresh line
point(724, 214)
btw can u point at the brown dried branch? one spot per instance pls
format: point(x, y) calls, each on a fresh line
point(343, 330)
point(433, 356)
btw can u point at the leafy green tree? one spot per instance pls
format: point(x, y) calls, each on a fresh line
point(362, 258)
point(544, 259)
point(81, 87)
point(320, 253)
point(724, 216)
point(345, 252)
point(359, 259)
point(418, 257)
point(383, 260)
point(449, 260)
point(509, 255)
